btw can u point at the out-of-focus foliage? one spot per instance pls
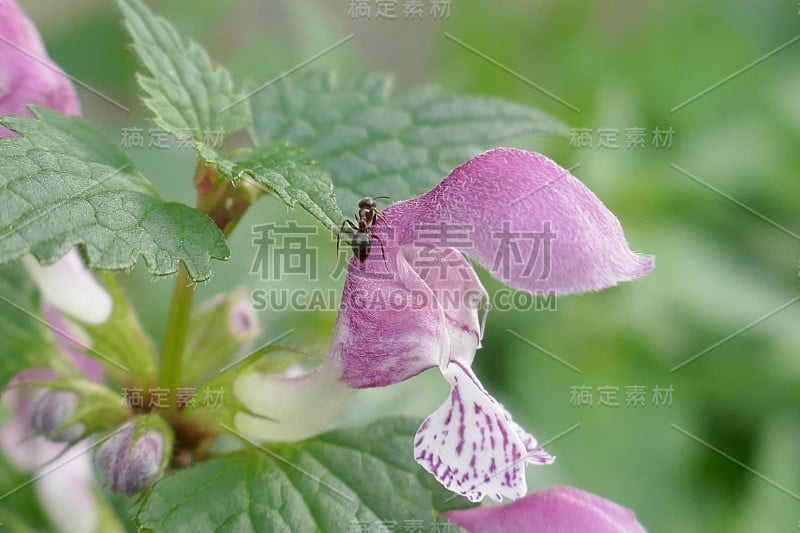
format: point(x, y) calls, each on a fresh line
point(720, 267)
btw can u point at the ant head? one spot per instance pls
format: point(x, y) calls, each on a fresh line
point(367, 202)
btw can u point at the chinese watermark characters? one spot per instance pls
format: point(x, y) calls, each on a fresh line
point(289, 250)
point(399, 9)
point(408, 525)
point(616, 138)
point(158, 139)
point(616, 396)
point(159, 398)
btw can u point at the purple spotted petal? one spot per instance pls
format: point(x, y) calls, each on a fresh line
point(471, 445)
point(392, 326)
point(526, 220)
point(27, 74)
point(556, 510)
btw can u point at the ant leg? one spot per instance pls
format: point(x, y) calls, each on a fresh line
point(339, 235)
point(383, 253)
point(378, 213)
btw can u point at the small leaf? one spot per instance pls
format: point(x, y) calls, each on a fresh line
point(290, 174)
point(329, 483)
point(374, 144)
point(63, 183)
point(190, 98)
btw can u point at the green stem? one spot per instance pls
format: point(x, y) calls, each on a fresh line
point(175, 341)
point(213, 193)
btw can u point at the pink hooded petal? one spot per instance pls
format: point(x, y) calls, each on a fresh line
point(67, 342)
point(526, 220)
point(556, 510)
point(393, 324)
point(27, 74)
point(70, 286)
point(471, 445)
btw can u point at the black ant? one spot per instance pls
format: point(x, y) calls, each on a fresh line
point(362, 232)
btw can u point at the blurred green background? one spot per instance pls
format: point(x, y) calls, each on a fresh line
point(720, 267)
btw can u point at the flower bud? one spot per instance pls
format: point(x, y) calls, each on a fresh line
point(135, 455)
point(51, 413)
point(242, 320)
point(68, 409)
point(220, 330)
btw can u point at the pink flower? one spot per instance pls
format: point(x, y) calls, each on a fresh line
point(27, 74)
point(555, 510)
point(411, 305)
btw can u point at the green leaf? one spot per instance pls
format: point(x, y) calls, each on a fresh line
point(327, 483)
point(24, 342)
point(63, 183)
point(290, 174)
point(374, 144)
point(189, 96)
